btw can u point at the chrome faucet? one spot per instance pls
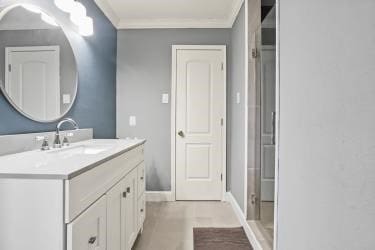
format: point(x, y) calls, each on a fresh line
point(57, 142)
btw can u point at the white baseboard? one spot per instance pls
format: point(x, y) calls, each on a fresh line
point(157, 196)
point(241, 217)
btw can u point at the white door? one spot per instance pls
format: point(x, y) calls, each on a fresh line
point(33, 80)
point(268, 123)
point(200, 111)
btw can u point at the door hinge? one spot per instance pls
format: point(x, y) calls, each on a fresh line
point(222, 66)
point(254, 53)
point(10, 67)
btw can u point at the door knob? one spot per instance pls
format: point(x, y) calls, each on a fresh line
point(181, 134)
point(92, 240)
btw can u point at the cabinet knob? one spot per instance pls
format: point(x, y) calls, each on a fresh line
point(142, 178)
point(128, 189)
point(141, 210)
point(92, 240)
point(124, 194)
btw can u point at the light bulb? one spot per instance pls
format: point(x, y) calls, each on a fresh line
point(31, 8)
point(48, 19)
point(86, 27)
point(78, 13)
point(65, 5)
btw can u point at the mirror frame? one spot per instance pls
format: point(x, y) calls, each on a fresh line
point(3, 12)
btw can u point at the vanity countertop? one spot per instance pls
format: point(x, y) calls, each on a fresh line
point(65, 163)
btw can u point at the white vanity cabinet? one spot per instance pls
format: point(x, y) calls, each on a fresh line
point(121, 213)
point(117, 225)
point(97, 208)
point(89, 230)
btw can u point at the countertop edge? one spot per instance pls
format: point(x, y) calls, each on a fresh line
point(71, 175)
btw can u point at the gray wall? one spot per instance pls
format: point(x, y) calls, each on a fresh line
point(236, 112)
point(95, 106)
point(143, 74)
point(44, 37)
point(327, 112)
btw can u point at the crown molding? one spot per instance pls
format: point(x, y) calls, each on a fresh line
point(108, 11)
point(169, 23)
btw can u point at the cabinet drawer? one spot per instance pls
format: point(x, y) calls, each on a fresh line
point(141, 179)
point(83, 190)
point(141, 211)
point(88, 231)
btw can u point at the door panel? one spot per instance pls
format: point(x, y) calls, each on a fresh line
point(200, 107)
point(33, 82)
point(198, 161)
point(198, 91)
point(268, 126)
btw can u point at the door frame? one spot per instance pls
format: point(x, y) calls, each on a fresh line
point(277, 135)
point(175, 48)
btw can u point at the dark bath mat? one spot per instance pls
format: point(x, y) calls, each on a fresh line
point(221, 239)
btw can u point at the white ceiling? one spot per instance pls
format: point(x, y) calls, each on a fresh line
point(141, 14)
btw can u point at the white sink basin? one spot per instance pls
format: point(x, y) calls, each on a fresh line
point(81, 150)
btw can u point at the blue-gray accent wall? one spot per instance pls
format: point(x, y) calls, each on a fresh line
point(95, 106)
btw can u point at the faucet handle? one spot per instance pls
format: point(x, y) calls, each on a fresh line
point(40, 137)
point(66, 142)
point(45, 145)
point(70, 134)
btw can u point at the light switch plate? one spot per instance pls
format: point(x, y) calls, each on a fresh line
point(66, 99)
point(165, 98)
point(132, 121)
point(238, 98)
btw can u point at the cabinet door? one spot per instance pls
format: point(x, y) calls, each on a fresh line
point(114, 212)
point(88, 231)
point(141, 211)
point(129, 222)
point(141, 179)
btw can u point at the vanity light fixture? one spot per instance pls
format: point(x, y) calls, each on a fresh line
point(86, 27)
point(78, 15)
point(65, 5)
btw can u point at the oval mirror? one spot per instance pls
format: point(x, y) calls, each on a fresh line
point(38, 72)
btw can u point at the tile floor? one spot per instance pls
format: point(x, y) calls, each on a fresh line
point(169, 225)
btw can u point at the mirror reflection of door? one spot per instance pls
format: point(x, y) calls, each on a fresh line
point(268, 105)
point(38, 70)
point(32, 80)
